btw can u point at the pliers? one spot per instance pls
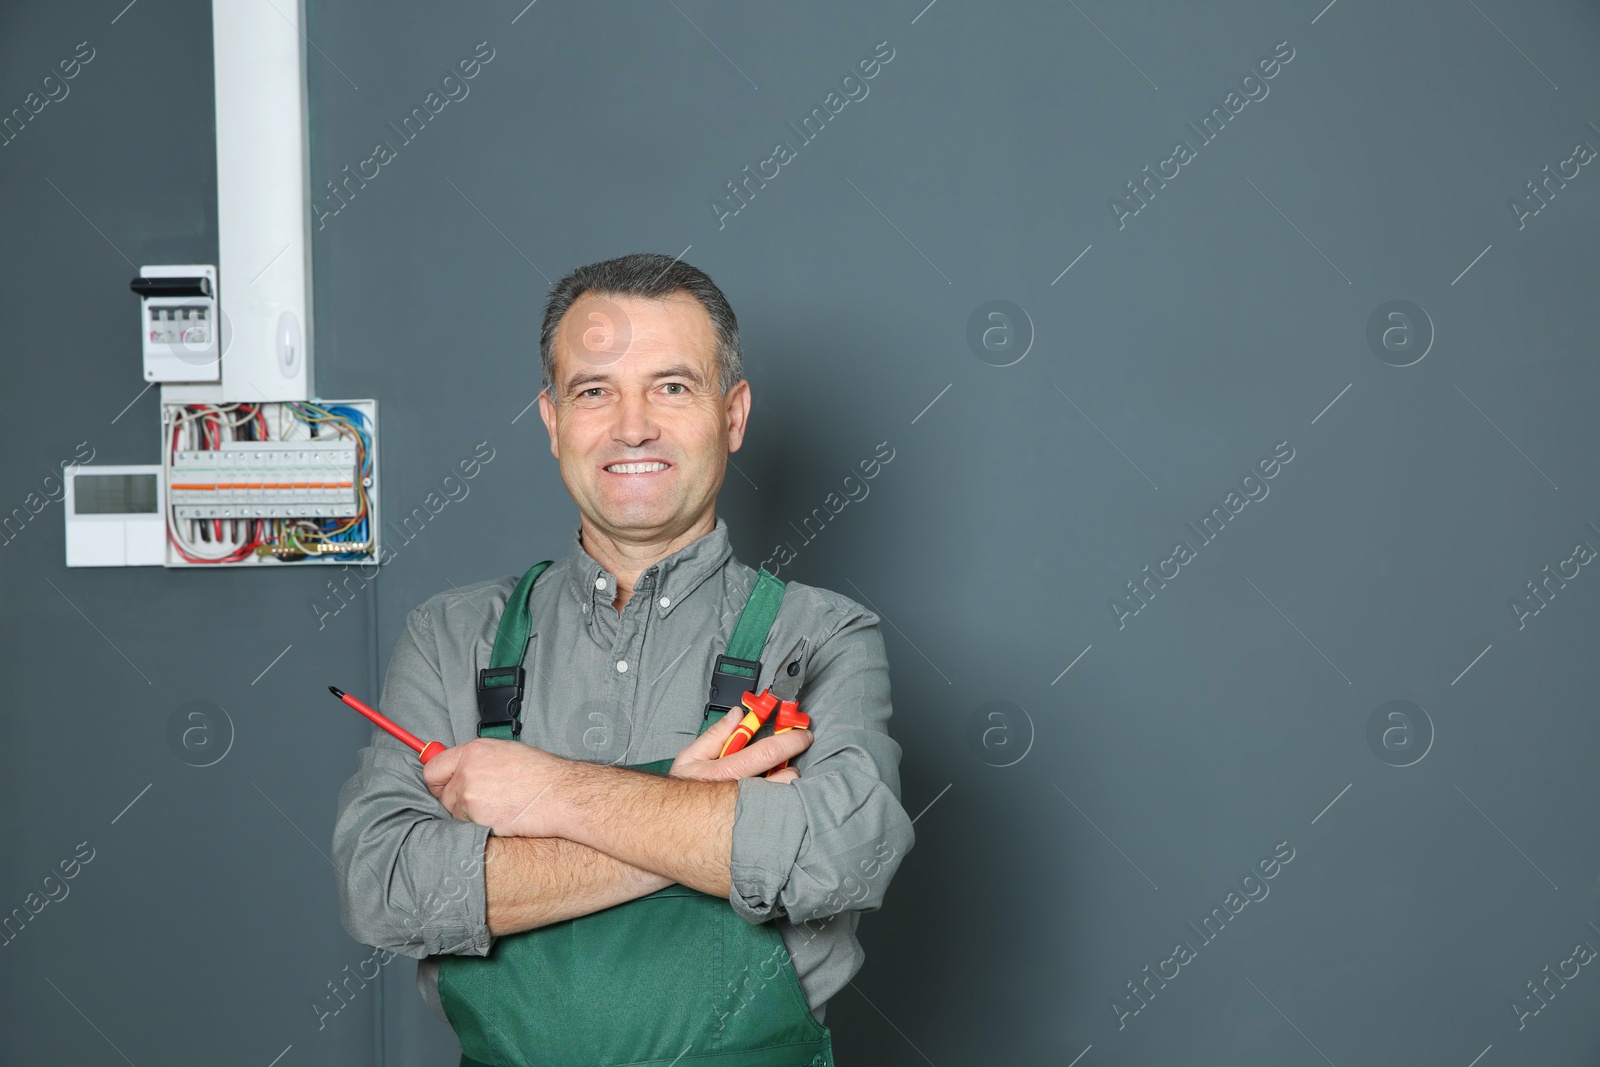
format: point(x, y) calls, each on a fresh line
point(780, 694)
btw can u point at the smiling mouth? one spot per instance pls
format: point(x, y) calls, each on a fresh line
point(648, 467)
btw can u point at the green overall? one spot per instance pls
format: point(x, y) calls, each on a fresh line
point(673, 978)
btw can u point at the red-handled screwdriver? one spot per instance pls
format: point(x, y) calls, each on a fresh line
point(425, 752)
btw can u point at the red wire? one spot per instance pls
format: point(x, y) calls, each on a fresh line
point(209, 436)
point(233, 557)
point(216, 526)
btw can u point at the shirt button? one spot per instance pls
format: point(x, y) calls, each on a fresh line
point(666, 601)
point(586, 609)
point(622, 666)
point(599, 583)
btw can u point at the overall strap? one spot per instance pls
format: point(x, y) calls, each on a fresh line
point(500, 685)
point(739, 668)
point(755, 621)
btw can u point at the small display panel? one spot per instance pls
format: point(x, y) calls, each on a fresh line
point(114, 494)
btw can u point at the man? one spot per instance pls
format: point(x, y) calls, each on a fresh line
point(604, 889)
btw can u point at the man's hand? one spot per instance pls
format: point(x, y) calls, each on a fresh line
point(508, 786)
point(699, 759)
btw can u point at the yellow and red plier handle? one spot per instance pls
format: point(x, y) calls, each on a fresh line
point(758, 709)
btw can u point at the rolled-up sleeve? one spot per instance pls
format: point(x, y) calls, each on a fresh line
point(411, 875)
point(831, 840)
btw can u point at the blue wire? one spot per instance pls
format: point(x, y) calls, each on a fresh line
point(358, 422)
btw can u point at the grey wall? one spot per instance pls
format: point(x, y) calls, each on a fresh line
point(1088, 782)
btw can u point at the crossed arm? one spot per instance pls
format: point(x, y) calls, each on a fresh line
point(536, 881)
point(619, 834)
point(610, 834)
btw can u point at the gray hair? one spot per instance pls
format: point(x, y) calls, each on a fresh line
point(648, 275)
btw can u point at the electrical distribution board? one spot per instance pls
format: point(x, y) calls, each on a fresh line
point(290, 482)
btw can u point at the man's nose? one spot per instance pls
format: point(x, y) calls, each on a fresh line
point(635, 424)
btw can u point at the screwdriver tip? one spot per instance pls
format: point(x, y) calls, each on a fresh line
point(336, 692)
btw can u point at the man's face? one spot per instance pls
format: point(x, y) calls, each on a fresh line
point(636, 383)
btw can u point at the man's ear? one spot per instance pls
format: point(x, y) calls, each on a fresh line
point(547, 412)
point(738, 411)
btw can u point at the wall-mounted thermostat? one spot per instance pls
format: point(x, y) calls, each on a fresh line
point(114, 517)
point(178, 320)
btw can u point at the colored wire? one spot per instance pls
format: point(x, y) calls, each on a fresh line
point(202, 427)
point(347, 422)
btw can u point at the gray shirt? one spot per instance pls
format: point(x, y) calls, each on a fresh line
point(628, 688)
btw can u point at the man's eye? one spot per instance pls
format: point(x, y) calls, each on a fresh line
point(591, 389)
point(677, 385)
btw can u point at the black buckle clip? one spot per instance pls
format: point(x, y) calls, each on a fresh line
point(727, 687)
point(500, 698)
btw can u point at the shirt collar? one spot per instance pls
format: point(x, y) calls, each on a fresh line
point(675, 576)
